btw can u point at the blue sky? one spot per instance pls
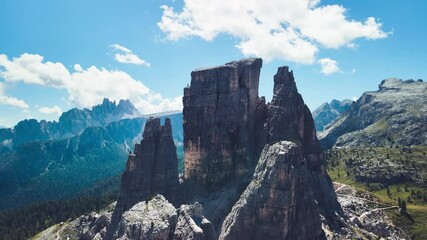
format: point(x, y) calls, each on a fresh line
point(55, 55)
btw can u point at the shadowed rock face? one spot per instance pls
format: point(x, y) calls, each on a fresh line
point(288, 118)
point(152, 169)
point(278, 203)
point(226, 125)
point(220, 108)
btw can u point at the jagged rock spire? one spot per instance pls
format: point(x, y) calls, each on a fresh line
point(219, 122)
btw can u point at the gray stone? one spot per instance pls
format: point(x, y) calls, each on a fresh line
point(278, 203)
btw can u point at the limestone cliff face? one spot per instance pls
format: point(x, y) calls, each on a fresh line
point(288, 118)
point(153, 168)
point(226, 125)
point(220, 108)
point(278, 203)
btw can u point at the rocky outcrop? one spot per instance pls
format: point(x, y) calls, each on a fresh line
point(279, 202)
point(152, 168)
point(193, 225)
point(220, 123)
point(288, 118)
point(154, 219)
point(226, 125)
point(393, 115)
point(326, 113)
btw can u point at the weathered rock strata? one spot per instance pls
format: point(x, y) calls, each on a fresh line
point(288, 118)
point(279, 202)
point(226, 125)
point(193, 225)
point(219, 123)
point(151, 169)
point(154, 219)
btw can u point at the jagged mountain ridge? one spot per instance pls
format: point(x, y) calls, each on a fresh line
point(326, 113)
point(38, 170)
point(71, 122)
point(394, 114)
point(221, 153)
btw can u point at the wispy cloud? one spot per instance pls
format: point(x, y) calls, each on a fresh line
point(51, 110)
point(85, 86)
point(126, 56)
point(11, 101)
point(329, 66)
point(275, 29)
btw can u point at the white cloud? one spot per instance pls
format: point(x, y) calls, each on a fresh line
point(14, 102)
point(121, 48)
point(352, 45)
point(126, 56)
point(51, 110)
point(85, 87)
point(354, 99)
point(329, 66)
point(11, 101)
point(78, 68)
point(30, 68)
point(274, 29)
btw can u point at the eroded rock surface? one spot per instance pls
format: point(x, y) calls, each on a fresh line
point(279, 202)
point(151, 169)
point(193, 225)
point(290, 119)
point(395, 114)
point(220, 123)
point(226, 126)
point(364, 217)
point(154, 219)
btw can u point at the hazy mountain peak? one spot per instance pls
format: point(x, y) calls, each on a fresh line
point(126, 106)
point(328, 112)
point(394, 114)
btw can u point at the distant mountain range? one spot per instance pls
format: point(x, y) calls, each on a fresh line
point(395, 114)
point(43, 160)
point(328, 112)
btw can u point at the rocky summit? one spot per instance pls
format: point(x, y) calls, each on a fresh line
point(220, 108)
point(151, 169)
point(253, 170)
point(395, 114)
point(326, 113)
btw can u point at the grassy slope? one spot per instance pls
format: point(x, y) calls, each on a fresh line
point(416, 224)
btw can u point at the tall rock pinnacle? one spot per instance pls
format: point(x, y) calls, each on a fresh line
point(288, 118)
point(220, 123)
point(278, 203)
point(152, 169)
